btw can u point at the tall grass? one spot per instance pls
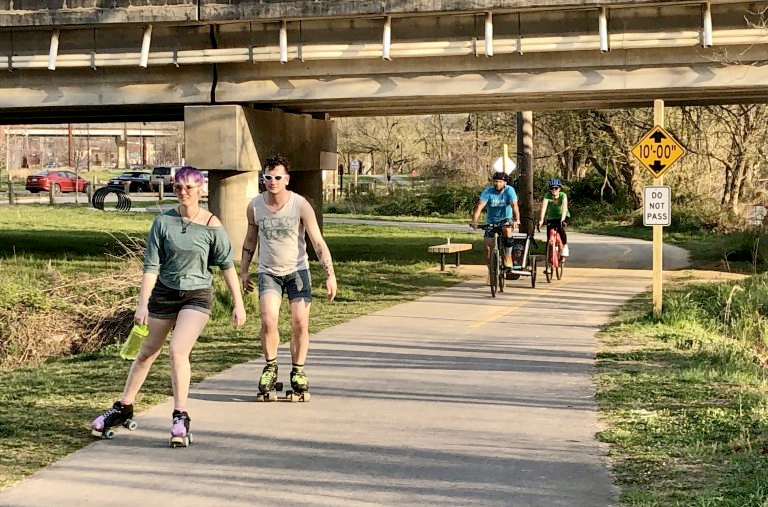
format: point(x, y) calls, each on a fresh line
point(684, 396)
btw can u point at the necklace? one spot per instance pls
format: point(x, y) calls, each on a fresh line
point(185, 225)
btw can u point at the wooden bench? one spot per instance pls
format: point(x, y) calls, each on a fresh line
point(451, 248)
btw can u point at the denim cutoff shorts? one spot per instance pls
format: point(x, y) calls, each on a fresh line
point(298, 285)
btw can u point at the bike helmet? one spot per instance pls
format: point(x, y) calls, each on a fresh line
point(555, 182)
point(498, 175)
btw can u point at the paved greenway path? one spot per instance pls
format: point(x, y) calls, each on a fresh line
point(454, 399)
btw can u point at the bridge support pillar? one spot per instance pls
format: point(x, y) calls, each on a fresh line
point(232, 143)
point(122, 152)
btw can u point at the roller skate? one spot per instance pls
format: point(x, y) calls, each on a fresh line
point(268, 384)
point(115, 415)
point(299, 384)
point(180, 435)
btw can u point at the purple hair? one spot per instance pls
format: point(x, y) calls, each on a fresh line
point(189, 173)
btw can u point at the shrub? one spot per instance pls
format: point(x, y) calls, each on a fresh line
point(435, 200)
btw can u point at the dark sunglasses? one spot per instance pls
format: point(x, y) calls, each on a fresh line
point(269, 177)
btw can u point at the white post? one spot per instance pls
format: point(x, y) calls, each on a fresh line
point(386, 48)
point(706, 34)
point(54, 50)
point(488, 34)
point(283, 41)
point(145, 43)
point(603, 29)
point(504, 158)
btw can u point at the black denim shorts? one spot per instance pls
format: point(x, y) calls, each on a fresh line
point(166, 303)
point(489, 232)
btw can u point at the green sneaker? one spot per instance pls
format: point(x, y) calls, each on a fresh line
point(268, 378)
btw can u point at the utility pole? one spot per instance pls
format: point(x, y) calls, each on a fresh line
point(69, 144)
point(525, 163)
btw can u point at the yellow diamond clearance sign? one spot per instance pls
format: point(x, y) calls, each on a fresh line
point(657, 151)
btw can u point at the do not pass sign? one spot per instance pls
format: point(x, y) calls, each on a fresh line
point(657, 200)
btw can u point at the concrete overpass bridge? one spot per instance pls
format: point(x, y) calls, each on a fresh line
point(250, 78)
point(148, 59)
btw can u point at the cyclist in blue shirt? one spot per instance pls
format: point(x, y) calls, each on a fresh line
point(501, 200)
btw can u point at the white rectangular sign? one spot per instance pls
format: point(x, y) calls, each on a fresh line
point(657, 201)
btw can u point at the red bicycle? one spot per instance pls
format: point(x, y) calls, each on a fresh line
point(554, 261)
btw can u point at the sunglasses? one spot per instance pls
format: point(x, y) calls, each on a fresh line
point(269, 177)
point(179, 188)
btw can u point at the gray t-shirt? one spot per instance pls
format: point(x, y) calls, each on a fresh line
point(182, 260)
point(282, 248)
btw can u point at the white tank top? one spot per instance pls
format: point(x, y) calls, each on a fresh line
point(282, 248)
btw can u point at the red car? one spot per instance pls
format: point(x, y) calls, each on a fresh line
point(62, 181)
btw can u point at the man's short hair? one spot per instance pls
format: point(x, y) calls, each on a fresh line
point(498, 175)
point(275, 161)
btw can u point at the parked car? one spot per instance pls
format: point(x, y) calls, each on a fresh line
point(205, 183)
point(62, 181)
point(167, 173)
point(138, 181)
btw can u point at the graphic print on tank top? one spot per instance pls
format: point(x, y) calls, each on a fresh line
point(279, 227)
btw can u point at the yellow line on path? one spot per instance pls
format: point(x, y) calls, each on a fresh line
point(520, 302)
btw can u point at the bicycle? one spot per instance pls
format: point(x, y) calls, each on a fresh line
point(495, 262)
point(497, 272)
point(554, 260)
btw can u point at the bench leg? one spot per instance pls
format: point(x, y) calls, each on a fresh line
point(442, 262)
point(458, 259)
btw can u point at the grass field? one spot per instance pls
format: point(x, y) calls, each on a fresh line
point(684, 397)
point(45, 409)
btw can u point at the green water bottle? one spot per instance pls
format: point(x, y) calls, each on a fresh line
point(133, 343)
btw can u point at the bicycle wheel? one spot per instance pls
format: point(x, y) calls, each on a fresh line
point(493, 272)
point(548, 264)
point(560, 265)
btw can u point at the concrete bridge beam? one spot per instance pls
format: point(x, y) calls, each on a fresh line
point(232, 143)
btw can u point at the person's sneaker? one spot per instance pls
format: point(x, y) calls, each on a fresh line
point(566, 253)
